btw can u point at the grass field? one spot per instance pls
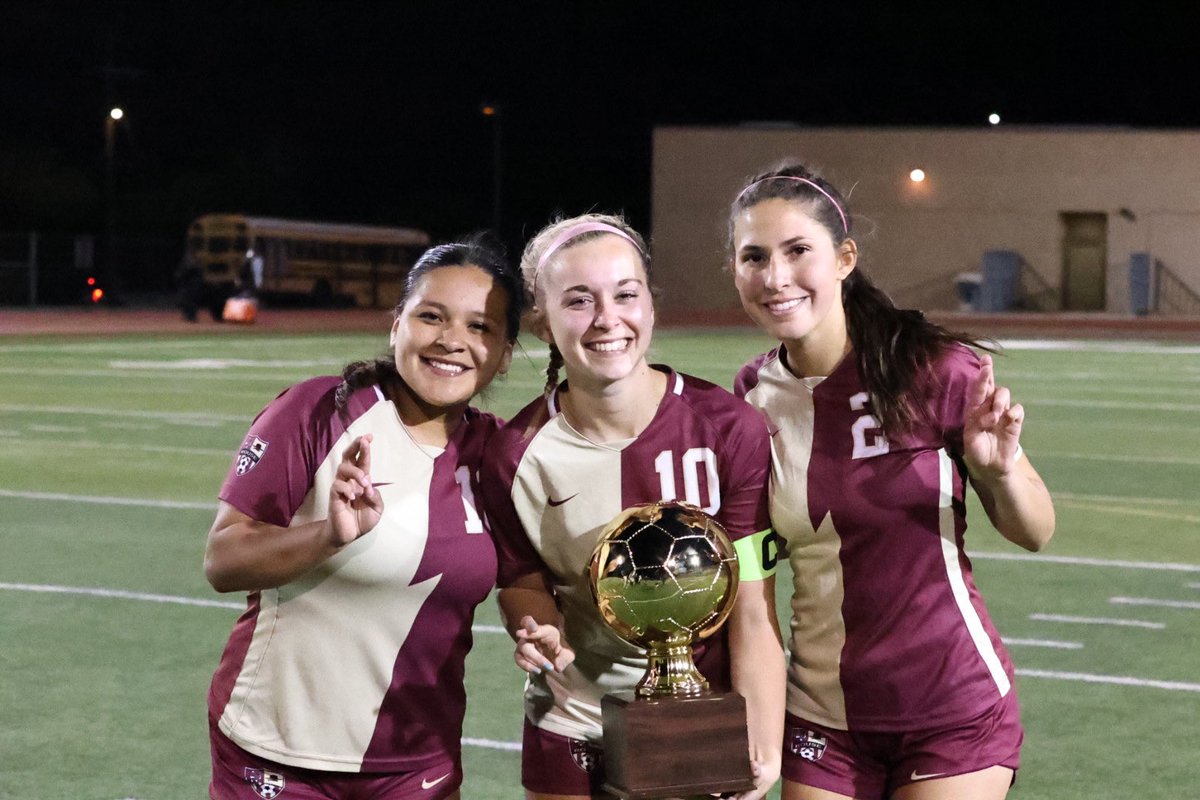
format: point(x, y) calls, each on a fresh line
point(114, 449)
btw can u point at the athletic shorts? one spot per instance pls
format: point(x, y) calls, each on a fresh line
point(554, 764)
point(869, 764)
point(239, 775)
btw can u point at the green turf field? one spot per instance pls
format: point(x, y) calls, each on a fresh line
point(115, 448)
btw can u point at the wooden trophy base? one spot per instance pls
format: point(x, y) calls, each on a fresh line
point(675, 746)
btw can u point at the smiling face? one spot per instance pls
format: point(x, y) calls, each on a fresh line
point(449, 341)
point(789, 272)
point(598, 310)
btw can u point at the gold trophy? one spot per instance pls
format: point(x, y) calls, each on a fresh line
point(664, 575)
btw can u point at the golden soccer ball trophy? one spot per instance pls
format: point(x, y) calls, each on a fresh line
point(664, 576)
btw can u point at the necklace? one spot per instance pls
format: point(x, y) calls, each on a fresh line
point(430, 451)
point(615, 447)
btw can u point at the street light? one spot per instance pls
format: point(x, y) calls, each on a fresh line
point(110, 193)
point(492, 112)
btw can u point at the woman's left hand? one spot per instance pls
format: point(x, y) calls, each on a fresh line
point(991, 427)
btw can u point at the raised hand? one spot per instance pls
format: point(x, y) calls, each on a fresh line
point(354, 505)
point(540, 648)
point(991, 426)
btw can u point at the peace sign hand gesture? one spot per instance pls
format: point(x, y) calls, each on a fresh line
point(991, 427)
point(355, 507)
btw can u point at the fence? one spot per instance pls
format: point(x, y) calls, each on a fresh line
point(54, 268)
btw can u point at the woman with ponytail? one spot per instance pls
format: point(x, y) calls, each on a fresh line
point(898, 684)
point(349, 519)
point(618, 432)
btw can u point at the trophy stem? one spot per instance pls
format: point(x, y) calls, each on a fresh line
point(672, 673)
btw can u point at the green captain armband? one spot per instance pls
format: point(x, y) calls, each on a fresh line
point(757, 555)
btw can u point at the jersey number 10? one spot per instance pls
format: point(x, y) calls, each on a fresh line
point(693, 460)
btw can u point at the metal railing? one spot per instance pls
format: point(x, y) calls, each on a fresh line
point(1034, 293)
point(1173, 297)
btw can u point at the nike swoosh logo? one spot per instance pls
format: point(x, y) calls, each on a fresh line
point(430, 784)
point(917, 776)
point(555, 503)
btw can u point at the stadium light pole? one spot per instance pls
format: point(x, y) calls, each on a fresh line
point(115, 115)
point(492, 112)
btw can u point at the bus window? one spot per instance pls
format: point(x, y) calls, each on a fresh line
point(219, 244)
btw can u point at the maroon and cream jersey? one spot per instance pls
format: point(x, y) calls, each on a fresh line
point(358, 664)
point(888, 630)
point(550, 491)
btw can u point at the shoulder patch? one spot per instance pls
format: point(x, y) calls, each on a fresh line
point(251, 453)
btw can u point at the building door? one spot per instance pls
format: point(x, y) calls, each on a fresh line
point(1084, 260)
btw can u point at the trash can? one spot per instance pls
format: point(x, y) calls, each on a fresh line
point(1001, 275)
point(1139, 283)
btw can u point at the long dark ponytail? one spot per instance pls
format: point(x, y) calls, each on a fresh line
point(894, 348)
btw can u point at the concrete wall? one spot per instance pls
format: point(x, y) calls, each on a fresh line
point(992, 188)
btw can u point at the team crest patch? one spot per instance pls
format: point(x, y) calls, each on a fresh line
point(251, 453)
point(266, 784)
point(585, 755)
point(807, 744)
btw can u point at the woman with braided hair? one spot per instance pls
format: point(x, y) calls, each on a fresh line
point(898, 684)
point(349, 519)
point(618, 432)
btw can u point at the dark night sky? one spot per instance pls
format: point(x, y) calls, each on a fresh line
point(370, 111)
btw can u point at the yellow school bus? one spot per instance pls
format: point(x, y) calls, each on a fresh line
point(292, 261)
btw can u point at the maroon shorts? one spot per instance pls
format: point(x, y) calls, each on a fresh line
point(239, 775)
point(554, 764)
point(864, 764)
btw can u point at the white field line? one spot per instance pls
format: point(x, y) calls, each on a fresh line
point(1135, 512)
point(1125, 623)
point(1194, 585)
point(125, 346)
point(194, 601)
point(121, 594)
point(983, 556)
point(492, 744)
point(86, 444)
point(1072, 423)
point(1042, 643)
point(1155, 602)
point(1121, 458)
point(109, 501)
point(170, 416)
point(1085, 562)
point(1119, 680)
point(1112, 498)
point(173, 375)
point(1091, 377)
point(1114, 404)
point(57, 429)
point(222, 364)
point(1081, 345)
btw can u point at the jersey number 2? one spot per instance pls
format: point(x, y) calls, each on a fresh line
point(693, 459)
point(864, 425)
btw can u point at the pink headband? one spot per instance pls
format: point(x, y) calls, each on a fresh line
point(578, 229)
point(828, 196)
